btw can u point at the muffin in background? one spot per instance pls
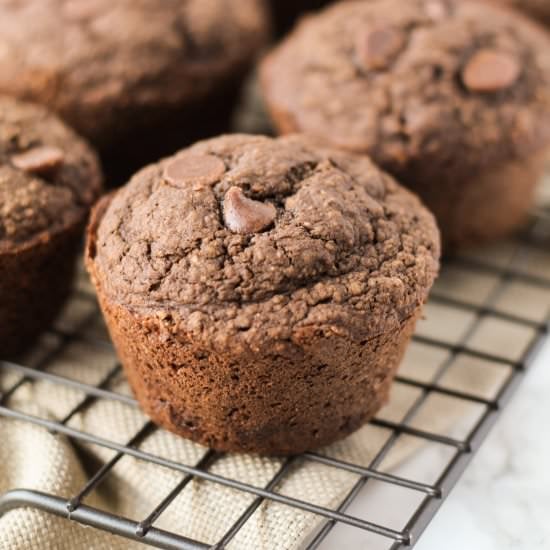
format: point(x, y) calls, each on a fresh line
point(138, 78)
point(450, 96)
point(260, 292)
point(49, 178)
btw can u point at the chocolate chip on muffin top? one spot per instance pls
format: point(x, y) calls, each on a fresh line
point(243, 215)
point(490, 70)
point(39, 160)
point(284, 228)
point(48, 176)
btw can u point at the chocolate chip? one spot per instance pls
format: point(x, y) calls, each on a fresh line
point(42, 160)
point(490, 71)
point(377, 47)
point(244, 215)
point(193, 168)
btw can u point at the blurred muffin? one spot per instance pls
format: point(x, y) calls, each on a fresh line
point(260, 292)
point(49, 178)
point(136, 77)
point(450, 96)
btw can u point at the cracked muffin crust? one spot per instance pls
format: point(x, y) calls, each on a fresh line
point(450, 96)
point(260, 291)
point(49, 179)
point(114, 70)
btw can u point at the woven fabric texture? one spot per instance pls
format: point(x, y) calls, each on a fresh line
point(33, 458)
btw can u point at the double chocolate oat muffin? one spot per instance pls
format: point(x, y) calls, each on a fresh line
point(260, 292)
point(450, 96)
point(125, 72)
point(49, 179)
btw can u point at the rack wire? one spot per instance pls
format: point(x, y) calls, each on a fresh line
point(494, 306)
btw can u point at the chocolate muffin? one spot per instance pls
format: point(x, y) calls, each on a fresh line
point(49, 178)
point(450, 96)
point(122, 73)
point(260, 292)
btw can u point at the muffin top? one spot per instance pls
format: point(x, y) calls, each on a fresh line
point(97, 61)
point(49, 177)
point(421, 85)
point(264, 234)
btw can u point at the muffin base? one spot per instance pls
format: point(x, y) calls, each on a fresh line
point(492, 205)
point(284, 399)
point(35, 281)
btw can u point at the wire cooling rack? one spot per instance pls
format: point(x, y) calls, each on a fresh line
point(487, 314)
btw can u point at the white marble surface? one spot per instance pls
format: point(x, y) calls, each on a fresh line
point(502, 501)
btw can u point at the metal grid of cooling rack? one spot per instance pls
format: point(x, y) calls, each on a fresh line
point(533, 242)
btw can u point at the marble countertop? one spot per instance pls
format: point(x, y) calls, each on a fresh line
point(503, 499)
